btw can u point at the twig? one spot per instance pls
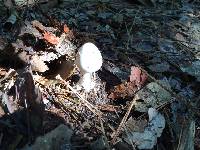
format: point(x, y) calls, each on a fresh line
point(104, 133)
point(122, 124)
point(90, 106)
point(63, 108)
point(126, 131)
point(87, 104)
point(102, 127)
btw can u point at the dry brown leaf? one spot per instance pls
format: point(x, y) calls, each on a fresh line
point(128, 89)
point(107, 107)
point(51, 38)
point(123, 90)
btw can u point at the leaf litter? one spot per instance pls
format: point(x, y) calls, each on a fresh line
point(150, 65)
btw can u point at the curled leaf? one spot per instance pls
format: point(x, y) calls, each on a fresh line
point(51, 38)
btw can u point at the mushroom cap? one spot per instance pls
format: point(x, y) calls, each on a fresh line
point(89, 58)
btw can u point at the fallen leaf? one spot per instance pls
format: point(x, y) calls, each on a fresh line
point(37, 64)
point(60, 67)
point(123, 90)
point(152, 95)
point(100, 144)
point(128, 89)
point(66, 28)
point(2, 113)
point(37, 24)
point(147, 138)
point(59, 138)
point(3, 72)
point(193, 69)
point(30, 97)
point(133, 125)
point(8, 4)
point(51, 38)
point(159, 67)
point(138, 76)
point(107, 107)
point(3, 43)
point(180, 37)
point(10, 103)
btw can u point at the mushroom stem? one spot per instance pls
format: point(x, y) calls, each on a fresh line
point(86, 82)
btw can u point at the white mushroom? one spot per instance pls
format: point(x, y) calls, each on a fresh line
point(89, 60)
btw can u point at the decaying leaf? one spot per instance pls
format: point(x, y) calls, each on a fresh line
point(42, 80)
point(109, 108)
point(193, 69)
point(35, 61)
point(66, 28)
point(51, 38)
point(10, 103)
point(60, 67)
point(138, 76)
point(100, 144)
point(180, 37)
point(127, 89)
point(8, 4)
point(24, 97)
point(148, 138)
point(1, 111)
point(133, 125)
point(123, 90)
point(37, 64)
point(30, 29)
point(159, 67)
point(37, 24)
point(65, 46)
point(121, 73)
point(152, 95)
point(3, 43)
point(59, 138)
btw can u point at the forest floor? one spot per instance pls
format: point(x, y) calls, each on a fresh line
point(146, 94)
